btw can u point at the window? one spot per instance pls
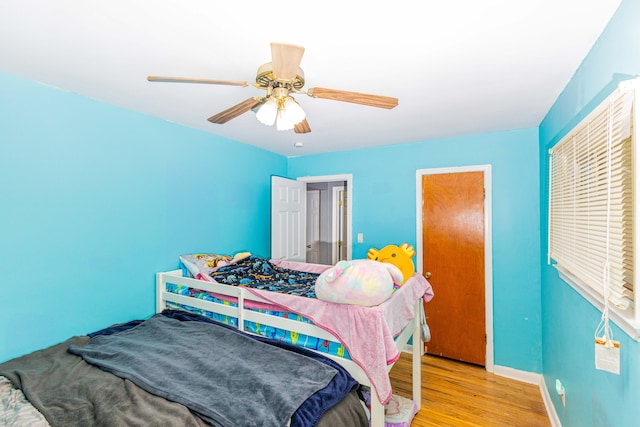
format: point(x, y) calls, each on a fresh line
point(591, 207)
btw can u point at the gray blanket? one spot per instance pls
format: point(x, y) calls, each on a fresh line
point(72, 393)
point(239, 383)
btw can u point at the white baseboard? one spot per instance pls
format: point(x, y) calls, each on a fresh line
point(518, 375)
point(548, 404)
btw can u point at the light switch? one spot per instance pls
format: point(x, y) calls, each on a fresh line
point(360, 238)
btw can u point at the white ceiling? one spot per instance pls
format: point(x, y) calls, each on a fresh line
point(458, 67)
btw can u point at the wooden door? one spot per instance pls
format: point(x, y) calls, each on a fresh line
point(453, 252)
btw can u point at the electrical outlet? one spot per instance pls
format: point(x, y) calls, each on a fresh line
point(561, 392)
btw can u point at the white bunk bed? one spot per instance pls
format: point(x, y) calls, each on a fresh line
point(244, 297)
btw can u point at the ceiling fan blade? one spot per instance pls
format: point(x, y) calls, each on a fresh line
point(285, 60)
point(235, 111)
point(353, 97)
point(302, 127)
point(190, 80)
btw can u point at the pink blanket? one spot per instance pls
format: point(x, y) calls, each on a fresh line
point(351, 323)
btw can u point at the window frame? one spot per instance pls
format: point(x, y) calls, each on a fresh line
point(628, 320)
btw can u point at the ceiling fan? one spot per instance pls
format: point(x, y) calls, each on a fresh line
point(281, 78)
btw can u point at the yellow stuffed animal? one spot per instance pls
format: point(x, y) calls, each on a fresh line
point(400, 256)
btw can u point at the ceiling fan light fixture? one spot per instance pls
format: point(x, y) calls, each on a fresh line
point(294, 110)
point(283, 122)
point(284, 112)
point(268, 112)
point(290, 114)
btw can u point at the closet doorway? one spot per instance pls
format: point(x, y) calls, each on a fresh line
point(454, 250)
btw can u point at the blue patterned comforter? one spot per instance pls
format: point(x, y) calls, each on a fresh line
point(260, 273)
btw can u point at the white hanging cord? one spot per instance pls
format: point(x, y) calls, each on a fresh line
point(603, 331)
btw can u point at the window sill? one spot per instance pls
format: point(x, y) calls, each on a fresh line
point(623, 321)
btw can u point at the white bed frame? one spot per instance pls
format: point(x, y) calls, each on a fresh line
point(244, 314)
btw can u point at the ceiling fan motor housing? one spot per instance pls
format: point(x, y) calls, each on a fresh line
point(265, 78)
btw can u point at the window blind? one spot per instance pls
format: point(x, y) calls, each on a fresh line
point(591, 201)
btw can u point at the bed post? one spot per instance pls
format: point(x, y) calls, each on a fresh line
point(241, 309)
point(416, 354)
point(377, 410)
point(159, 292)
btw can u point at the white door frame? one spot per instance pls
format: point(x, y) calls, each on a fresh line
point(311, 213)
point(336, 231)
point(488, 254)
point(348, 179)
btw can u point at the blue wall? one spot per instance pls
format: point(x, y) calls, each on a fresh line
point(384, 210)
point(95, 199)
point(594, 398)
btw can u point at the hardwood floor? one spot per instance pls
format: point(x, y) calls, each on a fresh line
point(456, 394)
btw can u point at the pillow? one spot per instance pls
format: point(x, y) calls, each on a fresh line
point(201, 266)
point(362, 282)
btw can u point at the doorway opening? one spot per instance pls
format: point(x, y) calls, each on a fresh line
point(328, 218)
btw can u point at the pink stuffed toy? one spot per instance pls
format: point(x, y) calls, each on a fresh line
point(362, 282)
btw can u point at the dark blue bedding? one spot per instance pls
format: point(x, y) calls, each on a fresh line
point(260, 273)
point(306, 413)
